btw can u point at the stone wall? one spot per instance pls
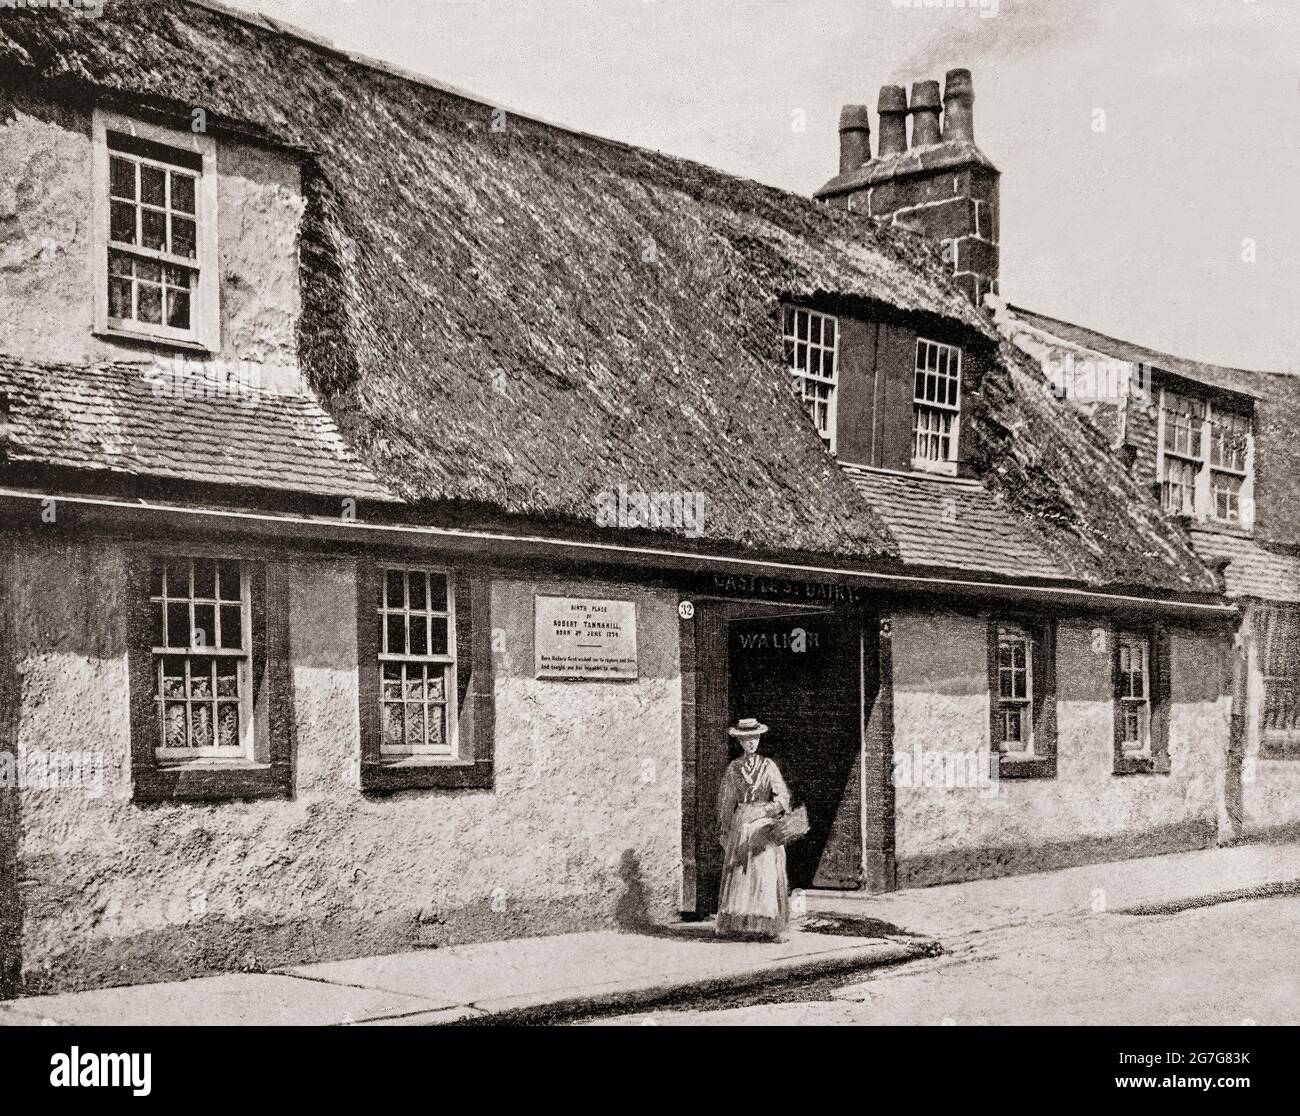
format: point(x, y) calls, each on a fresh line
point(581, 828)
point(990, 827)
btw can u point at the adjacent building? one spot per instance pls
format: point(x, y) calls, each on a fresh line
point(401, 496)
point(1216, 446)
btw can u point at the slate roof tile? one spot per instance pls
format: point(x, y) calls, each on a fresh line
point(125, 418)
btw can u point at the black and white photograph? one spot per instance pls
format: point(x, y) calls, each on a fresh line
point(668, 514)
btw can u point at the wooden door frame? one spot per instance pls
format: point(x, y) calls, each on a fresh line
point(705, 678)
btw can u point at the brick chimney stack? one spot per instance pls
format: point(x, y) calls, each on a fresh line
point(925, 113)
point(941, 185)
point(855, 137)
point(892, 107)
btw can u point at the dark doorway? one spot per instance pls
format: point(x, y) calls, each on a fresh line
point(800, 672)
point(800, 675)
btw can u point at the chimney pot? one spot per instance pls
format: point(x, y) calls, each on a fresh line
point(925, 113)
point(958, 107)
point(893, 120)
point(855, 137)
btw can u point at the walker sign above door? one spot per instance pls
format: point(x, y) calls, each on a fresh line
point(582, 638)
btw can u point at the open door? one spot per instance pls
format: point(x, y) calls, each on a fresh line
point(800, 675)
point(801, 672)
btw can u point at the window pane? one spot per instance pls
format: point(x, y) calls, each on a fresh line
point(174, 734)
point(205, 626)
point(394, 581)
point(150, 305)
point(121, 222)
point(392, 680)
point(438, 636)
point(173, 677)
point(437, 717)
point(227, 677)
point(153, 229)
point(393, 724)
point(414, 682)
point(158, 637)
point(119, 299)
point(228, 725)
point(201, 727)
point(178, 309)
point(416, 582)
point(178, 625)
point(419, 634)
point(121, 178)
point(153, 185)
point(201, 674)
point(415, 726)
point(232, 626)
point(183, 237)
point(182, 192)
point(396, 635)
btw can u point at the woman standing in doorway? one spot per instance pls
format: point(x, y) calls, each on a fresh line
point(755, 898)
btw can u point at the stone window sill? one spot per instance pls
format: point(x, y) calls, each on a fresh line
point(425, 773)
point(1038, 767)
point(211, 781)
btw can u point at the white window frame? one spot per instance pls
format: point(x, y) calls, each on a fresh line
point(205, 323)
point(932, 409)
point(1009, 635)
point(243, 655)
point(449, 750)
point(808, 384)
point(1140, 706)
point(1205, 470)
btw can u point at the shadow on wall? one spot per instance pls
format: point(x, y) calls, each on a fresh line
point(632, 912)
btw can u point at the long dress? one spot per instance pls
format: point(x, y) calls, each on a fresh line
point(755, 896)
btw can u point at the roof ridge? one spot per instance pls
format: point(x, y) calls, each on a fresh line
point(379, 65)
point(1024, 310)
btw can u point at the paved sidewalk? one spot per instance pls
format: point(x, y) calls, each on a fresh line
point(520, 980)
point(1176, 881)
point(530, 979)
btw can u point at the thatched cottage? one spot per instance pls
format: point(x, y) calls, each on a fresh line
point(400, 496)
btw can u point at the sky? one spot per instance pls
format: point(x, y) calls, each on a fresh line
point(1149, 149)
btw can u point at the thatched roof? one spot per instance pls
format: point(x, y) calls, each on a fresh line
point(513, 322)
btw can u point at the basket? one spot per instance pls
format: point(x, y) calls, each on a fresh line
point(790, 826)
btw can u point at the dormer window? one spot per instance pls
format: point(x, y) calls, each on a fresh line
point(936, 406)
point(811, 352)
point(1205, 459)
point(155, 243)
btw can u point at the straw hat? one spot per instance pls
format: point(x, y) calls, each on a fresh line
point(748, 726)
